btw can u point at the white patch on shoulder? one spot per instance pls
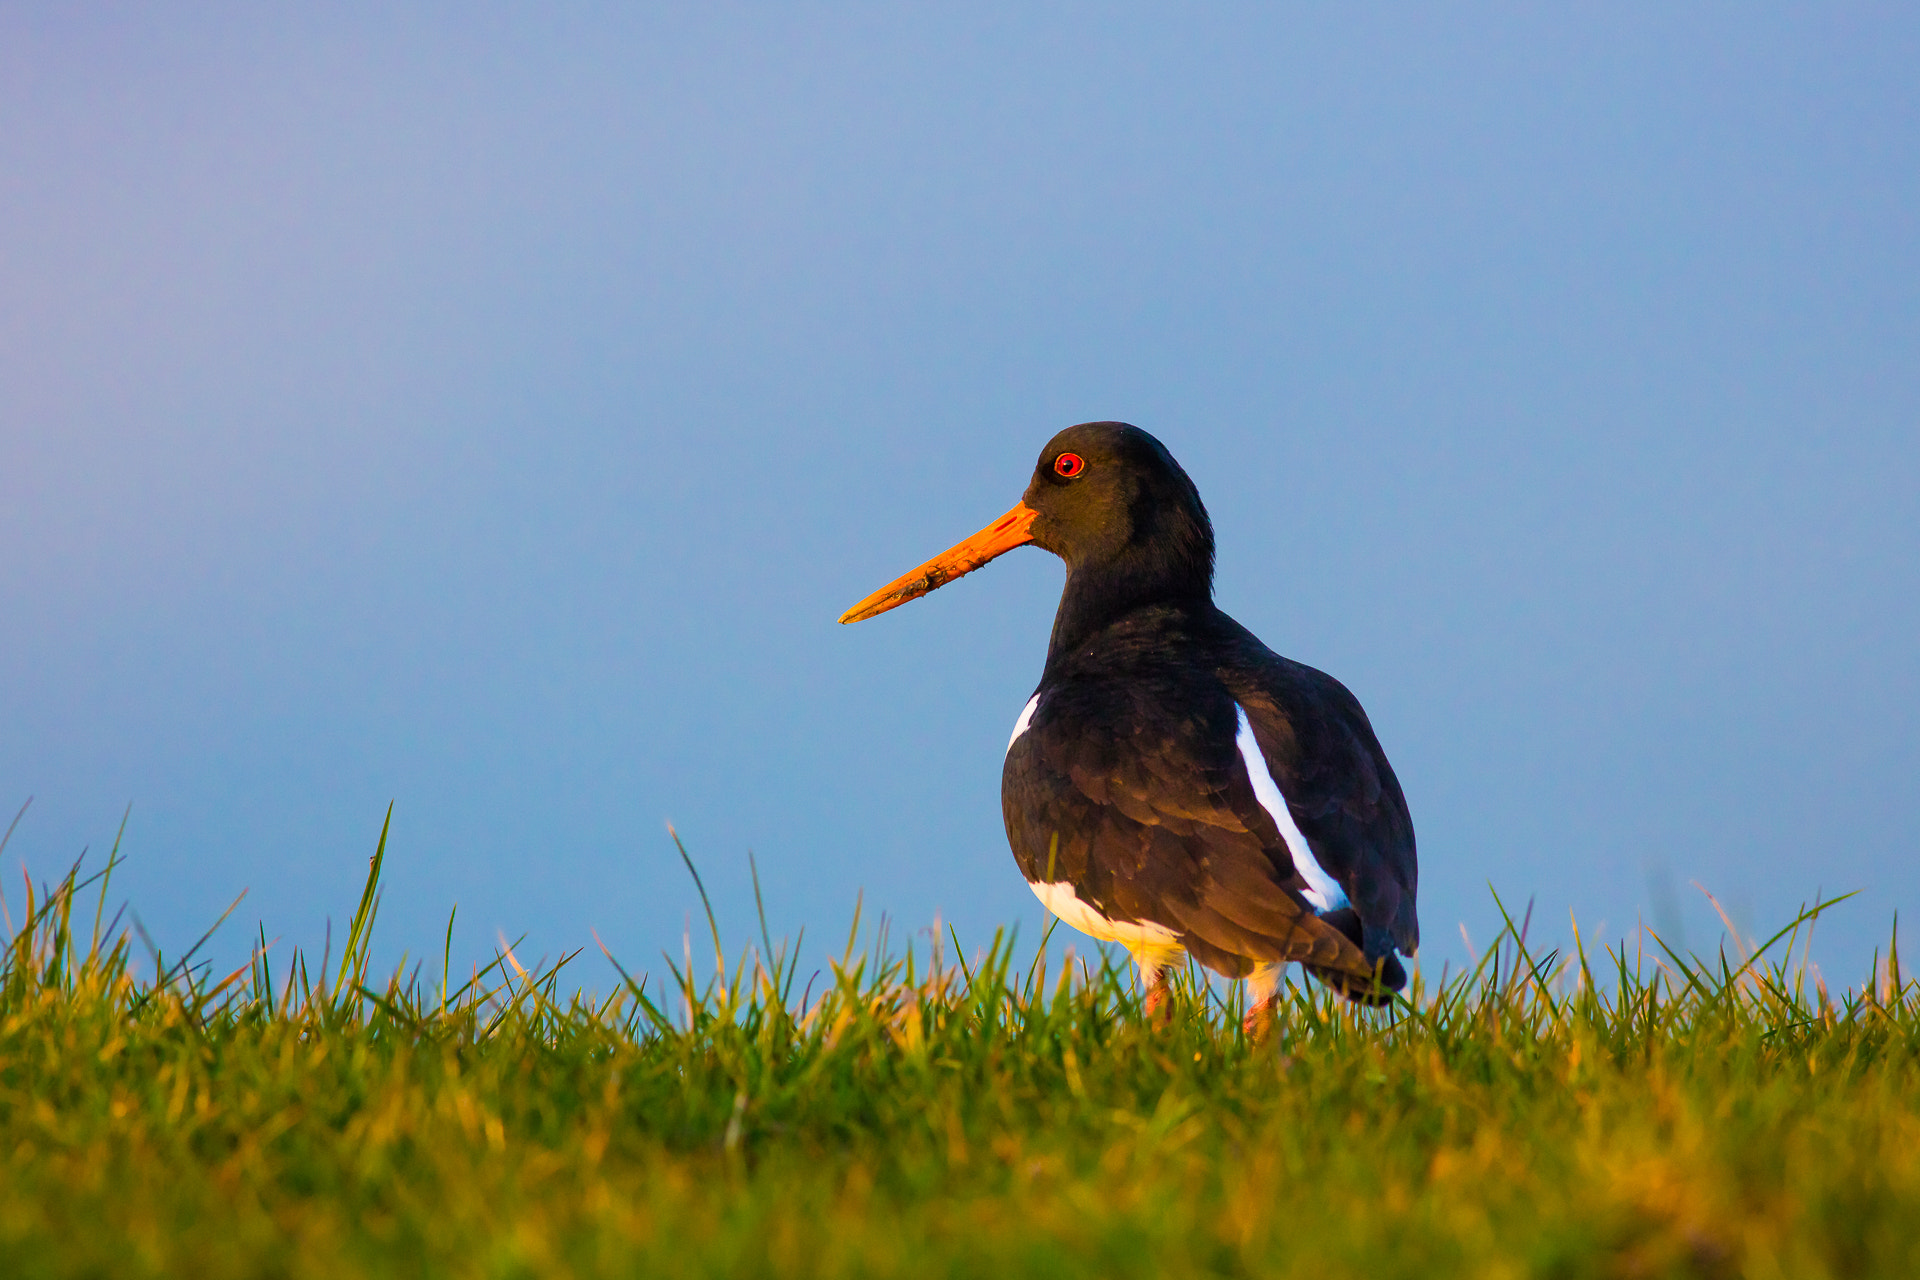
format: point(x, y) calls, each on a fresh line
point(1064, 902)
point(1323, 891)
point(1026, 718)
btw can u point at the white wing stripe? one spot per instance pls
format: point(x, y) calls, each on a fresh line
point(1322, 889)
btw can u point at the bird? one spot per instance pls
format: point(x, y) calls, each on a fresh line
point(1173, 785)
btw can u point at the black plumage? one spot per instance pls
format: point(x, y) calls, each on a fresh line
point(1129, 804)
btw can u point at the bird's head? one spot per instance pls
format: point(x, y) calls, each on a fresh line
point(1108, 499)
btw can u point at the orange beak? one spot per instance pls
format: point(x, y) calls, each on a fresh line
point(1014, 529)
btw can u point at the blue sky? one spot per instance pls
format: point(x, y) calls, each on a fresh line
point(491, 409)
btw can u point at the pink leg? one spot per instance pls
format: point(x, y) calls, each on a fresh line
point(1158, 1005)
point(1263, 1000)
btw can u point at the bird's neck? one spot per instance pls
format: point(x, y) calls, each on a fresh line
point(1097, 596)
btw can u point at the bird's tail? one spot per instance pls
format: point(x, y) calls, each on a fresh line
point(1373, 986)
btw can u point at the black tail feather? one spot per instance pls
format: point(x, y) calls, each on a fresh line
point(1375, 988)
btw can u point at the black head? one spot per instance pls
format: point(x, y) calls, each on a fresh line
point(1111, 501)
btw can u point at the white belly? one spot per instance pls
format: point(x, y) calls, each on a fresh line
point(1064, 902)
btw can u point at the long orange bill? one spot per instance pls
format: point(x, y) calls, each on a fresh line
point(1014, 529)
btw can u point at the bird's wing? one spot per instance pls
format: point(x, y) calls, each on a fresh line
point(1131, 790)
point(1321, 751)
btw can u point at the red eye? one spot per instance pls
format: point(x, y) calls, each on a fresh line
point(1068, 465)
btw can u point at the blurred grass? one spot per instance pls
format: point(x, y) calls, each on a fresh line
point(927, 1114)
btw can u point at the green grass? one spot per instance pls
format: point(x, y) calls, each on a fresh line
point(1543, 1115)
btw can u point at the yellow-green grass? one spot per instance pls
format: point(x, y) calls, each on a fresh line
point(927, 1117)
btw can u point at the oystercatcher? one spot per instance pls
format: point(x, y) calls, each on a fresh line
point(1174, 785)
